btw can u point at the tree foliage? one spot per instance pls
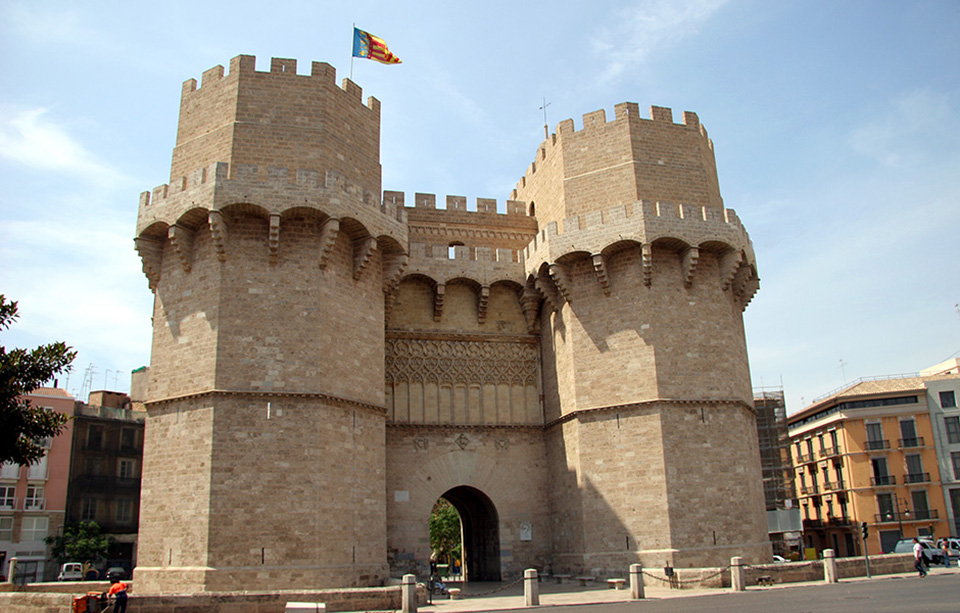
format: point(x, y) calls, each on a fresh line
point(444, 530)
point(81, 542)
point(22, 426)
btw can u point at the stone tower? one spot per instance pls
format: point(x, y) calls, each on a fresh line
point(267, 253)
point(568, 368)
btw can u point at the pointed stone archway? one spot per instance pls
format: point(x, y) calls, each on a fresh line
point(481, 532)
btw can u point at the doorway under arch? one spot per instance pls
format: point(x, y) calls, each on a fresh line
point(481, 532)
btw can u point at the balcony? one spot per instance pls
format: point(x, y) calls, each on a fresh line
point(882, 480)
point(892, 518)
point(916, 478)
point(809, 490)
point(805, 458)
point(104, 484)
point(833, 486)
point(829, 451)
point(877, 445)
point(839, 521)
point(906, 443)
point(926, 514)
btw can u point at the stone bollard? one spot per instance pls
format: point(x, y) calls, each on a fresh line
point(408, 591)
point(12, 571)
point(531, 588)
point(737, 581)
point(636, 581)
point(829, 566)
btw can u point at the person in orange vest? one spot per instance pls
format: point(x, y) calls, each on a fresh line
point(118, 591)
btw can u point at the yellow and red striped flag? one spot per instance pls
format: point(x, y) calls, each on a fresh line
point(369, 46)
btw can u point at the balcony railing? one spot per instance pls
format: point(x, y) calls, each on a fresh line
point(907, 516)
point(882, 480)
point(839, 521)
point(916, 477)
point(829, 451)
point(805, 458)
point(877, 445)
point(807, 490)
point(926, 514)
point(911, 442)
point(891, 517)
point(832, 486)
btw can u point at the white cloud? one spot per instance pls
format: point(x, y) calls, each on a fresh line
point(914, 123)
point(29, 138)
point(39, 25)
point(653, 25)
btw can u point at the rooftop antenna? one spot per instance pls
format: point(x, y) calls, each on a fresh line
point(843, 370)
point(546, 130)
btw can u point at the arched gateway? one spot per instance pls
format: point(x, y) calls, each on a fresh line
point(481, 533)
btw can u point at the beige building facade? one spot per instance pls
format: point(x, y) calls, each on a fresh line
point(567, 368)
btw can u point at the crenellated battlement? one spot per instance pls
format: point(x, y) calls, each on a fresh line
point(273, 189)
point(457, 204)
point(241, 66)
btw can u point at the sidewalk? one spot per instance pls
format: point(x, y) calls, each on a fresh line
point(552, 594)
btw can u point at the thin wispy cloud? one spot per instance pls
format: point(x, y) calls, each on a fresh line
point(651, 26)
point(29, 138)
point(915, 123)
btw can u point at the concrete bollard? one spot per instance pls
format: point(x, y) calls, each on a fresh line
point(531, 588)
point(737, 581)
point(636, 581)
point(829, 566)
point(408, 591)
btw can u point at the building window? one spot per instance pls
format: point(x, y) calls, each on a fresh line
point(128, 438)
point(34, 528)
point(908, 434)
point(88, 509)
point(34, 498)
point(952, 424)
point(920, 508)
point(38, 470)
point(8, 496)
point(955, 457)
point(124, 511)
point(126, 469)
point(6, 528)
point(10, 471)
point(94, 465)
point(948, 399)
point(95, 438)
point(875, 436)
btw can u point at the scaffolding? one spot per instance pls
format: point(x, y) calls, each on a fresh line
point(778, 486)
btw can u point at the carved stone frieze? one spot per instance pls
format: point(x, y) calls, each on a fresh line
point(461, 361)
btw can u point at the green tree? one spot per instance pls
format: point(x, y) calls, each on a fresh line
point(22, 426)
point(80, 543)
point(444, 530)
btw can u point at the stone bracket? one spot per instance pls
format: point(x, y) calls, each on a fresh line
point(561, 281)
point(484, 299)
point(438, 301)
point(690, 259)
point(362, 252)
point(328, 238)
point(218, 230)
point(151, 255)
point(548, 289)
point(530, 305)
point(729, 265)
point(646, 261)
point(273, 239)
point(600, 267)
point(181, 239)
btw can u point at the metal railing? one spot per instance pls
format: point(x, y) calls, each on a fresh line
point(877, 445)
point(882, 480)
point(916, 477)
point(916, 441)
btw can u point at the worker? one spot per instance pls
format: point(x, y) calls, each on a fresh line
point(118, 591)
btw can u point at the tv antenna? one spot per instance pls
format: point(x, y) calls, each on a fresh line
point(546, 130)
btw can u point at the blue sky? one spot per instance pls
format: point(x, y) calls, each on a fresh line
point(835, 127)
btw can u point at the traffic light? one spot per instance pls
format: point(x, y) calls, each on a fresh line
point(864, 530)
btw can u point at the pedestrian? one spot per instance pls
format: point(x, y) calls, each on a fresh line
point(456, 568)
point(118, 591)
point(918, 558)
point(945, 548)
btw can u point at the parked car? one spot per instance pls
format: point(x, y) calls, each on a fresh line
point(931, 554)
point(71, 571)
point(116, 573)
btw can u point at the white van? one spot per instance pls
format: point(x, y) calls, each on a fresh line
point(71, 571)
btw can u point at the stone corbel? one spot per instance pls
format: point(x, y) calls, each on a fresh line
point(273, 239)
point(362, 252)
point(646, 262)
point(328, 238)
point(218, 231)
point(530, 305)
point(151, 255)
point(600, 267)
point(438, 301)
point(729, 265)
point(548, 290)
point(181, 239)
point(393, 266)
point(561, 280)
point(482, 302)
point(690, 259)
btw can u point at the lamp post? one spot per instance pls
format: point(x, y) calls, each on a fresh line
point(906, 511)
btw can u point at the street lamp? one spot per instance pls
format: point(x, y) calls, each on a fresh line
point(906, 511)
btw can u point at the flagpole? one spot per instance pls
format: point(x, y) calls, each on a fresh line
point(354, 33)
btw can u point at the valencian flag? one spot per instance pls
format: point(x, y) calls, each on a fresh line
point(369, 46)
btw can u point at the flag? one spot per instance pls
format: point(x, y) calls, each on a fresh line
point(369, 46)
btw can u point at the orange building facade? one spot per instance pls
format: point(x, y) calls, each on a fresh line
point(867, 455)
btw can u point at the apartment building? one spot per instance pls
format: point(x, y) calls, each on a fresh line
point(33, 498)
point(868, 454)
point(943, 392)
